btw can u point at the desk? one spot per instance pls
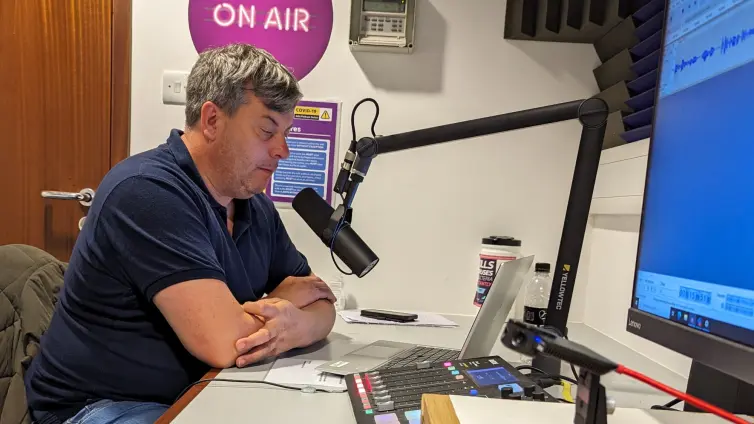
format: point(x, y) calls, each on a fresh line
point(444, 409)
point(238, 403)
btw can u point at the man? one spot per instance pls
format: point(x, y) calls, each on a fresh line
point(169, 275)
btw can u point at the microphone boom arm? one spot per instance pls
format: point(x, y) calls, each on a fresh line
point(592, 114)
point(593, 110)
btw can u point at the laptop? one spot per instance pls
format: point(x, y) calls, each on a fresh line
point(488, 324)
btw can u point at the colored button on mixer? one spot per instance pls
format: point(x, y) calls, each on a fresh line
point(386, 419)
point(451, 368)
point(473, 392)
point(414, 416)
point(515, 388)
point(456, 372)
point(447, 364)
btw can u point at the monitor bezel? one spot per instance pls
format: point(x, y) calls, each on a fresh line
point(726, 356)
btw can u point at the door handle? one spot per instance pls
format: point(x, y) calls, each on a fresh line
point(84, 197)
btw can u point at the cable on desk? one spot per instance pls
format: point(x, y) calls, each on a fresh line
point(668, 406)
point(529, 368)
point(689, 399)
point(672, 403)
point(543, 379)
point(547, 381)
point(564, 378)
point(664, 408)
point(230, 380)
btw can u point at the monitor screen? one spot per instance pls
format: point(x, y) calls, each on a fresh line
point(696, 251)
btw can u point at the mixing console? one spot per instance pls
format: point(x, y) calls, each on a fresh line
point(393, 396)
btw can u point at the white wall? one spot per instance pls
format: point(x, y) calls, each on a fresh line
point(609, 262)
point(427, 236)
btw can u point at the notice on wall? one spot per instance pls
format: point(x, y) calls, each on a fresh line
point(313, 145)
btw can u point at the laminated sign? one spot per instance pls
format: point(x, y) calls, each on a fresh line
point(313, 146)
point(314, 113)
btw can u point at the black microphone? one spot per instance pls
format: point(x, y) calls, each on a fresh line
point(348, 246)
point(341, 182)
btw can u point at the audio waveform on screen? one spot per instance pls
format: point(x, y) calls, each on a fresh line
point(726, 44)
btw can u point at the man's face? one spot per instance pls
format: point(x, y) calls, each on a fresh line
point(249, 146)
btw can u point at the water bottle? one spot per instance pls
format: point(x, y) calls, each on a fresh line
point(536, 299)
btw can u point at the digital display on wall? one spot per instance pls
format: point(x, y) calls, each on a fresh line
point(389, 6)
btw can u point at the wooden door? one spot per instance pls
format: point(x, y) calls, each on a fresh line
point(64, 90)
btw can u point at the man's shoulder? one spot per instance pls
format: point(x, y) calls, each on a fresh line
point(154, 162)
point(145, 173)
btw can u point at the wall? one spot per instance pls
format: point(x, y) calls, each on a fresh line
point(608, 265)
point(424, 212)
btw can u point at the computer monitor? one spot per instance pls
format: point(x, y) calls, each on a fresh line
point(694, 282)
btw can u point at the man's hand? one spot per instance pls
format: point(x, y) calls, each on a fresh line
point(303, 291)
point(284, 329)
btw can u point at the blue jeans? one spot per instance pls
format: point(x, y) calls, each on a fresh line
point(111, 412)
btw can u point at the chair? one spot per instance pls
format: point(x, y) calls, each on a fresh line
point(30, 280)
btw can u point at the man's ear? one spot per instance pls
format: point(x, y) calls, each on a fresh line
point(211, 121)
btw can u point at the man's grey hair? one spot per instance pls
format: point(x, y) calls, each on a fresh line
point(223, 75)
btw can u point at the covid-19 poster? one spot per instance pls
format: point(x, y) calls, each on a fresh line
point(313, 153)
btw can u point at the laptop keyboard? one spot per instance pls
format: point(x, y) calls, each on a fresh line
point(419, 354)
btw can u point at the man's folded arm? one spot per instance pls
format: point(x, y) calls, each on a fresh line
point(322, 319)
point(207, 319)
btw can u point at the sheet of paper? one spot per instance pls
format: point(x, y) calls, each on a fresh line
point(301, 372)
point(423, 320)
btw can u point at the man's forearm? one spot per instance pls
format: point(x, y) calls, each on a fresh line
point(321, 318)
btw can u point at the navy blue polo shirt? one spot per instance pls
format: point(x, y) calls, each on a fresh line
point(152, 224)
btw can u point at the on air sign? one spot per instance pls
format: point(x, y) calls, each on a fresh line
point(296, 32)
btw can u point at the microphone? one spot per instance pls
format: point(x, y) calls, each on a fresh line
point(322, 219)
point(341, 182)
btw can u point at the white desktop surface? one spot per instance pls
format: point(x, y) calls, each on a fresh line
point(471, 410)
point(243, 403)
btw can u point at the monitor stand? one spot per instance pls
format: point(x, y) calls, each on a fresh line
point(719, 389)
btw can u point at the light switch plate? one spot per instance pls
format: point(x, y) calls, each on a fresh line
point(174, 87)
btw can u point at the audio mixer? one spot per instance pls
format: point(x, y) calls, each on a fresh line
point(393, 396)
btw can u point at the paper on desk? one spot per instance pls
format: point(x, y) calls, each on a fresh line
point(302, 372)
point(424, 319)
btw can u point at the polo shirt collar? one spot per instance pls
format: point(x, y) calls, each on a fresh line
point(242, 217)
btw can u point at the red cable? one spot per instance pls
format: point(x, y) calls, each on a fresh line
point(691, 400)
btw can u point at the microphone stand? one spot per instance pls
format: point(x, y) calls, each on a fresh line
point(591, 399)
point(591, 113)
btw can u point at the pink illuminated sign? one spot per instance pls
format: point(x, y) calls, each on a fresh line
point(296, 32)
